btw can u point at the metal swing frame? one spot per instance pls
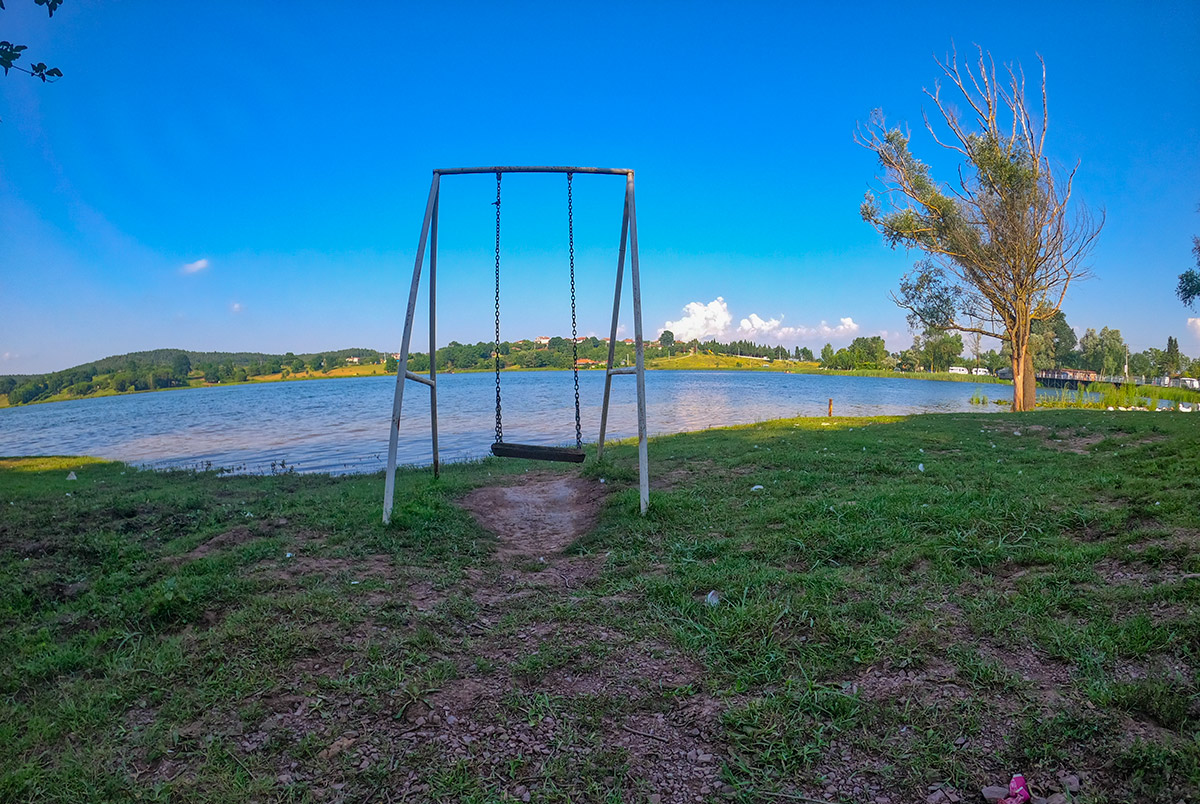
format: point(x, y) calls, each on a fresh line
point(429, 236)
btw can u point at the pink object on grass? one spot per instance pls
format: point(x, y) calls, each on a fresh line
point(1018, 791)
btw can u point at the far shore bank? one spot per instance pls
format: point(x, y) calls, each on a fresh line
point(705, 362)
point(688, 362)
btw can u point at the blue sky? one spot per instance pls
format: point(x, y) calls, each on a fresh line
point(290, 148)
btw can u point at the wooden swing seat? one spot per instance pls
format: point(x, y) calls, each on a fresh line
point(537, 452)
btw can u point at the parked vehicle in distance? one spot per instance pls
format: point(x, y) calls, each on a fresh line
point(1189, 382)
point(958, 370)
point(980, 371)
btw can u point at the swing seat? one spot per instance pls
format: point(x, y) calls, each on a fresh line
point(537, 452)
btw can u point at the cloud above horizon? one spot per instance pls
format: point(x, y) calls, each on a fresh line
point(236, 307)
point(1194, 325)
point(194, 267)
point(713, 320)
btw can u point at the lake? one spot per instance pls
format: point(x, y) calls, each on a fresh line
point(341, 425)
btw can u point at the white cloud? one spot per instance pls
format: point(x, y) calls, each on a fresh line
point(236, 307)
point(1194, 326)
point(701, 321)
point(8, 356)
point(713, 320)
point(194, 267)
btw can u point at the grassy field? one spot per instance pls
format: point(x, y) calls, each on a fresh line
point(694, 362)
point(906, 610)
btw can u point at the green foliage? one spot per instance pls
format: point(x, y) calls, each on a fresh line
point(862, 353)
point(1188, 289)
point(1104, 352)
point(162, 368)
point(11, 53)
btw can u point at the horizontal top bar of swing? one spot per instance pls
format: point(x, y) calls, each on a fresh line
point(533, 169)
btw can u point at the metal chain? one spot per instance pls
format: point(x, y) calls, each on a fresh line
point(499, 424)
point(574, 330)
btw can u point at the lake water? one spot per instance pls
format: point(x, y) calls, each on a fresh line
point(341, 425)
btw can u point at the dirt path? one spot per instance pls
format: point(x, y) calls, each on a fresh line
point(540, 515)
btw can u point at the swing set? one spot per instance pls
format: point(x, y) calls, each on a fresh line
point(501, 448)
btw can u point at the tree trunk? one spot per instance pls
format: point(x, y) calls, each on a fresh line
point(1024, 383)
point(1030, 383)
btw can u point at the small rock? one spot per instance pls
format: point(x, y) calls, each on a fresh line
point(994, 793)
point(1071, 783)
point(1057, 798)
point(71, 476)
point(937, 797)
point(655, 799)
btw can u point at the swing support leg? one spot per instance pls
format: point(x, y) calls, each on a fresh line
point(612, 335)
point(389, 487)
point(643, 460)
point(629, 234)
point(433, 337)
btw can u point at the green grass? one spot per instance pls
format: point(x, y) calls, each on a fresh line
point(905, 602)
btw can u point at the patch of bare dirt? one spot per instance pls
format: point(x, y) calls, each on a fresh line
point(539, 515)
point(360, 567)
point(1171, 668)
point(1078, 443)
point(678, 752)
point(222, 541)
point(684, 475)
point(1122, 573)
point(927, 685)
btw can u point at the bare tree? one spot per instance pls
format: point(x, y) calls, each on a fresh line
point(1004, 243)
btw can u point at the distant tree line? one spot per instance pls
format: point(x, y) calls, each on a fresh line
point(168, 368)
point(1053, 345)
point(526, 354)
point(557, 353)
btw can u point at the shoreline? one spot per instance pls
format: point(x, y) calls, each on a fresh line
point(701, 363)
point(786, 367)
